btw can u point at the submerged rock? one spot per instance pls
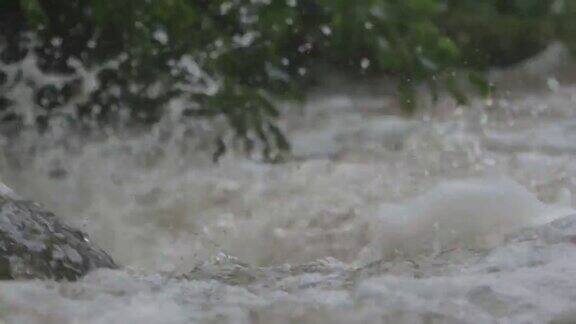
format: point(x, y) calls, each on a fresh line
point(34, 243)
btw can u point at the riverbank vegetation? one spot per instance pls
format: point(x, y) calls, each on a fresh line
point(120, 63)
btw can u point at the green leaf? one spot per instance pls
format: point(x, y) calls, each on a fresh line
point(481, 83)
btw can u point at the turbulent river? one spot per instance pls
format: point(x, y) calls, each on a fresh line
point(457, 215)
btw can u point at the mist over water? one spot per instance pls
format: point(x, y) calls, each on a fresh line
point(444, 217)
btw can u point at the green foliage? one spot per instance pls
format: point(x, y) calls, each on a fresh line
point(231, 57)
point(33, 13)
point(499, 32)
point(565, 13)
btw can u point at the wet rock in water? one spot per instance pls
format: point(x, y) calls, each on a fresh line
point(226, 269)
point(35, 244)
point(560, 230)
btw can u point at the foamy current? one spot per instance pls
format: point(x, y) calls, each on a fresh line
point(458, 215)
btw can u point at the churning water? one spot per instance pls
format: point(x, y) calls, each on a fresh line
point(459, 215)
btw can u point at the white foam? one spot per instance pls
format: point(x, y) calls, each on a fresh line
point(473, 213)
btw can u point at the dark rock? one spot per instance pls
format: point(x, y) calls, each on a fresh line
point(34, 243)
point(558, 231)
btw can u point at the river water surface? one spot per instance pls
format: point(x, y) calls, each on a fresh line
point(457, 215)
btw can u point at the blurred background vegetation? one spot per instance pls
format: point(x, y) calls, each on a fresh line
point(121, 62)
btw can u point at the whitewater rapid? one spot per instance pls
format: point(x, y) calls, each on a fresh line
point(456, 215)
